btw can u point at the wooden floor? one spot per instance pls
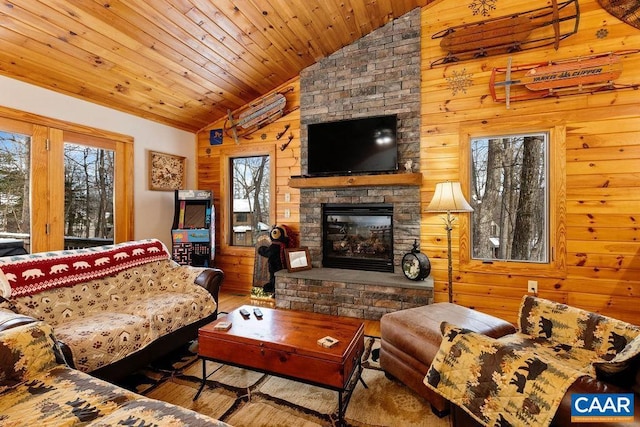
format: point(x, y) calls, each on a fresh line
point(231, 301)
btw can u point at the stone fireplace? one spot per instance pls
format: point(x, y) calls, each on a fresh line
point(358, 237)
point(377, 75)
point(405, 224)
point(347, 291)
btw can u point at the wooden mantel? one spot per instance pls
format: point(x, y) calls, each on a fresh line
point(356, 180)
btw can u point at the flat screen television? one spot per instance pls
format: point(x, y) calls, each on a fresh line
point(362, 145)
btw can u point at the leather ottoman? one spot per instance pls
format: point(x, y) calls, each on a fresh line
point(411, 338)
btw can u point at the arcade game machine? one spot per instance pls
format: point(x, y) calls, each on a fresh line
point(193, 231)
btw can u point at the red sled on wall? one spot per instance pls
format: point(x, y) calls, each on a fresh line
point(557, 78)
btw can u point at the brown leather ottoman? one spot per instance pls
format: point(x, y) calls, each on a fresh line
point(411, 338)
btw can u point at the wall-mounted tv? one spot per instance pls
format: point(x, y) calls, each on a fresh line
point(362, 145)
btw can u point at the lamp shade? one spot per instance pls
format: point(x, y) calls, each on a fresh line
point(449, 198)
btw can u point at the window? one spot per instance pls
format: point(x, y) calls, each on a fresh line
point(515, 181)
point(250, 205)
point(89, 175)
point(15, 149)
point(61, 185)
point(509, 182)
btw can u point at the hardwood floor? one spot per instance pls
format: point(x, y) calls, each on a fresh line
point(229, 301)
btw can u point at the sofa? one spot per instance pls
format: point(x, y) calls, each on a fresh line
point(36, 388)
point(113, 308)
point(527, 377)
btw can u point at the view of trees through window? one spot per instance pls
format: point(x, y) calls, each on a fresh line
point(509, 197)
point(14, 186)
point(89, 174)
point(88, 194)
point(250, 177)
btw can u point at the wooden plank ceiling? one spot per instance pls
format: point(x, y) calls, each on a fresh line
point(184, 63)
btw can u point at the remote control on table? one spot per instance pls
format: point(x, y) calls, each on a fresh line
point(245, 312)
point(257, 312)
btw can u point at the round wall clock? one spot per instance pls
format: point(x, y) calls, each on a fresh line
point(416, 265)
point(167, 172)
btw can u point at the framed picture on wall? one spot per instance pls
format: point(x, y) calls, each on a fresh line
point(297, 259)
point(167, 172)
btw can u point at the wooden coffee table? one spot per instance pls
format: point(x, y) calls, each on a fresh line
point(284, 343)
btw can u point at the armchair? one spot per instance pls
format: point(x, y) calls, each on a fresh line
point(528, 377)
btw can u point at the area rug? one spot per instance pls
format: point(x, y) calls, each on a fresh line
point(242, 397)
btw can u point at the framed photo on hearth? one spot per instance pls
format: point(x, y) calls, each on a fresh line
point(167, 172)
point(297, 259)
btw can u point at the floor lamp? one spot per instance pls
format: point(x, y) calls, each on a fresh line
point(449, 198)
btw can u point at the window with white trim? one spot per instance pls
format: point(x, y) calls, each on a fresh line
point(510, 197)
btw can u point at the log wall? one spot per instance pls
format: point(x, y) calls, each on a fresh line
point(599, 200)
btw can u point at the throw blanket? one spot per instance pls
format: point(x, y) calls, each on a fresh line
point(30, 274)
point(520, 379)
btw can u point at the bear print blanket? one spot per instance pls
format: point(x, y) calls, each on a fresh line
point(520, 379)
point(33, 273)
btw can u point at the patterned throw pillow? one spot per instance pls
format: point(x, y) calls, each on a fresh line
point(571, 326)
point(25, 351)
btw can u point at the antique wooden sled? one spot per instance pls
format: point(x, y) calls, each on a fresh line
point(256, 115)
point(557, 78)
point(526, 30)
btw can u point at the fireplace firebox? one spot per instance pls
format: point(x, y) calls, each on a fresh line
point(358, 236)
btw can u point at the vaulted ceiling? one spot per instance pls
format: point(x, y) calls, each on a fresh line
point(184, 63)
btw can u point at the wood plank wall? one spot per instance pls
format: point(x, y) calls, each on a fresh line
point(601, 133)
point(237, 262)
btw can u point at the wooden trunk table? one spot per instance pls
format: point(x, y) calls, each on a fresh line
point(284, 343)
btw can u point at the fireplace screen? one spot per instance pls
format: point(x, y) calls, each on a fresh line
point(358, 236)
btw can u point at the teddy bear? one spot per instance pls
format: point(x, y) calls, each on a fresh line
point(281, 238)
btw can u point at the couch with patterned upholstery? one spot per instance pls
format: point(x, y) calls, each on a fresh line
point(114, 308)
point(37, 389)
point(527, 378)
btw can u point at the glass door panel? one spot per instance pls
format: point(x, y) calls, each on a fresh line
point(15, 165)
point(89, 176)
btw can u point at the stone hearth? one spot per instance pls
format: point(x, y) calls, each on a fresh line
point(351, 293)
